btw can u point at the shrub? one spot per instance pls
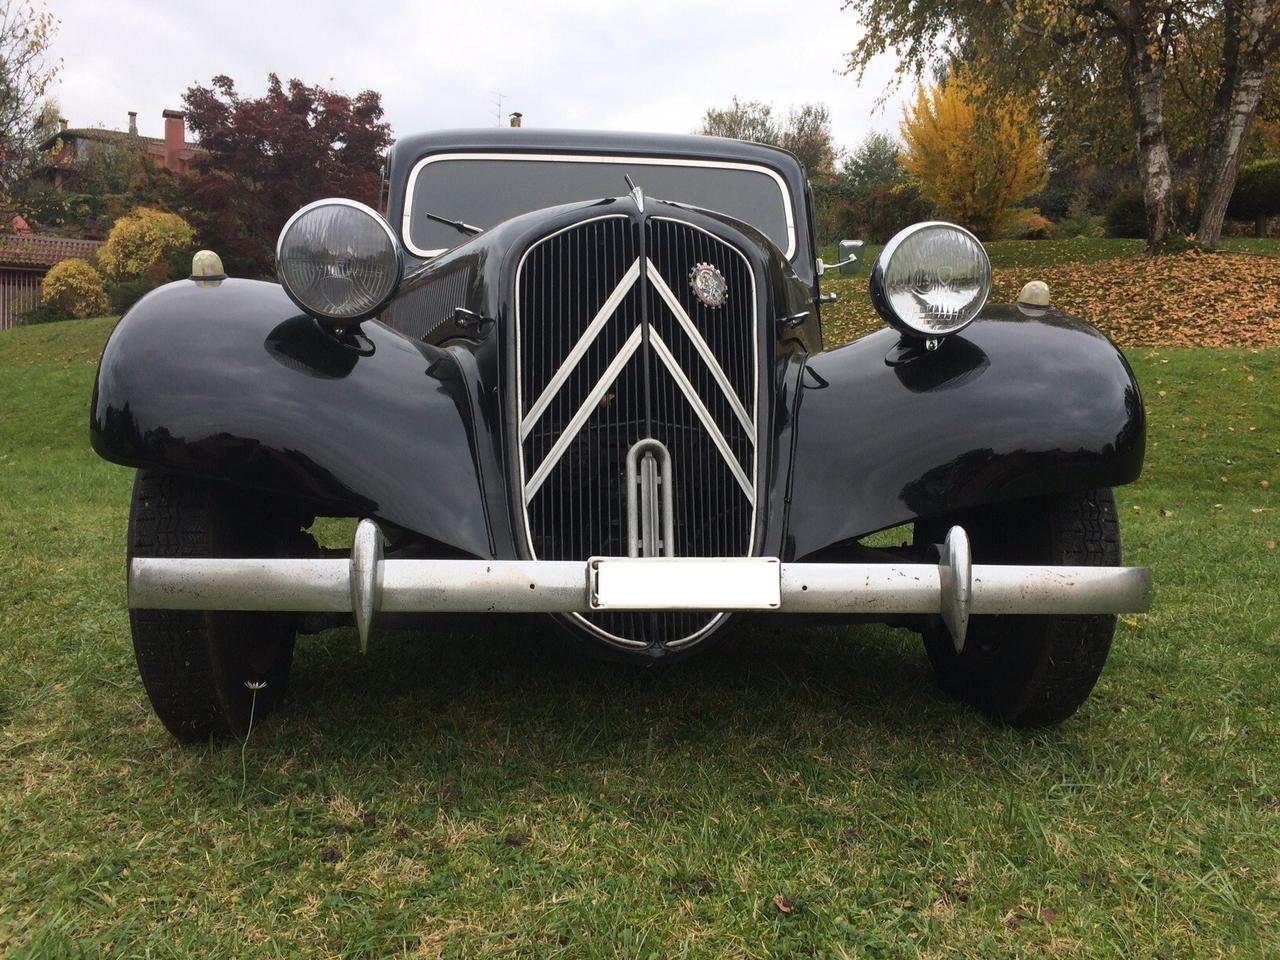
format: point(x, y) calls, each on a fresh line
point(873, 216)
point(42, 314)
point(1257, 194)
point(142, 244)
point(1078, 221)
point(74, 289)
point(889, 209)
point(1055, 199)
point(124, 294)
point(1024, 223)
point(1126, 214)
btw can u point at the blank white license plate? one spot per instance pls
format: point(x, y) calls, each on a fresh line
point(685, 583)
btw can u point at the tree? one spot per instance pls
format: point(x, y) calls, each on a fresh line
point(26, 71)
point(869, 197)
point(107, 167)
point(874, 163)
point(265, 157)
point(972, 157)
point(1250, 37)
point(1079, 56)
point(103, 182)
point(742, 120)
point(806, 132)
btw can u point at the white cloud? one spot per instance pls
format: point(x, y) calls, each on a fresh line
point(569, 63)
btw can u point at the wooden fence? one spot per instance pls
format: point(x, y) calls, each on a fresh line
point(19, 292)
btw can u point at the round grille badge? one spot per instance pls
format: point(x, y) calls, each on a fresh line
point(709, 285)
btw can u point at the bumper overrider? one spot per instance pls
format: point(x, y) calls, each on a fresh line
point(367, 583)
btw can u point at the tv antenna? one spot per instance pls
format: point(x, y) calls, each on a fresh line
point(498, 104)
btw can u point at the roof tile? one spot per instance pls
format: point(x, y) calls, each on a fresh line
point(37, 250)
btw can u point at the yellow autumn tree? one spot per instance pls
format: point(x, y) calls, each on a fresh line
point(972, 156)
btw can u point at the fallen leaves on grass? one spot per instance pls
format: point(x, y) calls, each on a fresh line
point(1191, 299)
point(1016, 918)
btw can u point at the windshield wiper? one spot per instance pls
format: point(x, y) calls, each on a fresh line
point(456, 224)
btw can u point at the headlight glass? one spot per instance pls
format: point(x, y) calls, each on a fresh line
point(338, 260)
point(931, 279)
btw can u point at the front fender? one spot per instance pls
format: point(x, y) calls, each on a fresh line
point(1022, 403)
point(227, 381)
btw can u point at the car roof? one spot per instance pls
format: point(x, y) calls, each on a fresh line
point(410, 149)
point(414, 146)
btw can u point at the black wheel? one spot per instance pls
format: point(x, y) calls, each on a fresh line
point(1029, 671)
point(200, 668)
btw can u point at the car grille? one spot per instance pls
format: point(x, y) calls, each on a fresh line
point(419, 312)
point(613, 347)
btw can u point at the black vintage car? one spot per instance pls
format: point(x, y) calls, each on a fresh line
point(582, 375)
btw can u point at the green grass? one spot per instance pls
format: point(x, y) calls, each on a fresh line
point(498, 796)
point(1268, 246)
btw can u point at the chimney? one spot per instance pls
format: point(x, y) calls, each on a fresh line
point(133, 123)
point(175, 137)
point(62, 123)
point(515, 119)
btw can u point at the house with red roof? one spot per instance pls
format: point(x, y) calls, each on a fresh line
point(69, 144)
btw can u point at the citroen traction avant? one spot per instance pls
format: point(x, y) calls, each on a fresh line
point(582, 376)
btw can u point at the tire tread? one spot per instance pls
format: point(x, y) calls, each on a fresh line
point(1058, 658)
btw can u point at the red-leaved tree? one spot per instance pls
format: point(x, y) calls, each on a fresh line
point(265, 157)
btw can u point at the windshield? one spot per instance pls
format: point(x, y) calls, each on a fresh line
point(486, 189)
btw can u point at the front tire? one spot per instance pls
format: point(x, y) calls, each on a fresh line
point(201, 669)
point(1029, 671)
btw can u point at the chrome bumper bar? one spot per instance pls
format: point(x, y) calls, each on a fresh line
point(367, 583)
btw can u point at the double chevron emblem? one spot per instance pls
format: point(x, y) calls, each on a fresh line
point(660, 350)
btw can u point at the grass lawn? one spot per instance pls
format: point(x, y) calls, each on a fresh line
point(797, 793)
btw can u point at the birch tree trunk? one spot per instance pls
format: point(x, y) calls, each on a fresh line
point(1239, 93)
point(1144, 75)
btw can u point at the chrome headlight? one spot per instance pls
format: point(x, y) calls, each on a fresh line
point(931, 279)
point(338, 260)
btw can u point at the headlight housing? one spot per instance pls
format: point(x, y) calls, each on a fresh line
point(338, 260)
point(931, 280)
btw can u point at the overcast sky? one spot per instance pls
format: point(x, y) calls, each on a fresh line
point(650, 65)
